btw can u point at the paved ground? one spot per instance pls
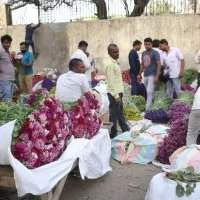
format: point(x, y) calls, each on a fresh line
point(125, 182)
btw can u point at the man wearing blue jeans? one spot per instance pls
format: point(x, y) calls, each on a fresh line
point(7, 71)
point(151, 68)
point(173, 59)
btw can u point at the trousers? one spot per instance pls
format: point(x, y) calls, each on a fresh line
point(149, 83)
point(193, 127)
point(117, 115)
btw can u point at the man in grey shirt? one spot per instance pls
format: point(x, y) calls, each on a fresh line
point(151, 68)
point(7, 70)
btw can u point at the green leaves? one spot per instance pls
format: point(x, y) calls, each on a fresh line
point(189, 76)
point(180, 191)
point(186, 181)
point(12, 111)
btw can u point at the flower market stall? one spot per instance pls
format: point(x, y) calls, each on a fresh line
point(166, 132)
point(44, 141)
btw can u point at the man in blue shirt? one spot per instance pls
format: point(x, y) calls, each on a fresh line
point(134, 63)
point(151, 68)
point(26, 69)
point(30, 28)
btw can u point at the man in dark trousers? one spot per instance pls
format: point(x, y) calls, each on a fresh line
point(134, 63)
point(112, 71)
point(30, 28)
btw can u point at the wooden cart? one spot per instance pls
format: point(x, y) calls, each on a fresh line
point(7, 181)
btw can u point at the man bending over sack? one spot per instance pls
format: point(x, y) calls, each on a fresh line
point(73, 84)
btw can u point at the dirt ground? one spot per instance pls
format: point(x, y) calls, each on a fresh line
point(125, 182)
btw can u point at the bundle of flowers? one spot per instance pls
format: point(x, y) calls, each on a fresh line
point(37, 97)
point(84, 120)
point(178, 115)
point(44, 135)
point(178, 110)
point(157, 116)
point(126, 77)
point(176, 138)
point(188, 88)
point(37, 78)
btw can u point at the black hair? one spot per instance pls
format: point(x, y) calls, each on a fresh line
point(6, 37)
point(73, 63)
point(22, 43)
point(82, 44)
point(148, 40)
point(112, 45)
point(137, 42)
point(156, 43)
point(164, 41)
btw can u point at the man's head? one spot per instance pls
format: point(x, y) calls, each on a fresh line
point(156, 43)
point(164, 45)
point(137, 45)
point(76, 65)
point(83, 45)
point(113, 51)
point(23, 47)
point(6, 41)
point(148, 44)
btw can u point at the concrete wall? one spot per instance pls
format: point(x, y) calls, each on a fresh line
point(3, 17)
point(56, 42)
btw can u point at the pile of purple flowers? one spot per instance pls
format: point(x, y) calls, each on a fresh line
point(178, 115)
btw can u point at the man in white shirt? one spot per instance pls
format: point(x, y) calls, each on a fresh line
point(194, 125)
point(156, 46)
point(173, 59)
point(81, 53)
point(73, 84)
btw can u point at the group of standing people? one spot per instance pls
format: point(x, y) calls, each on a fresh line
point(159, 62)
point(73, 84)
point(14, 68)
point(17, 67)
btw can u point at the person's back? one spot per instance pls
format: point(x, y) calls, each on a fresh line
point(73, 84)
point(81, 53)
point(70, 86)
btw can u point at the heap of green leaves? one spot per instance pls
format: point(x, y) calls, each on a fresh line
point(186, 97)
point(186, 181)
point(161, 101)
point(138, 101)
point(11, 111)
point(190, 75)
